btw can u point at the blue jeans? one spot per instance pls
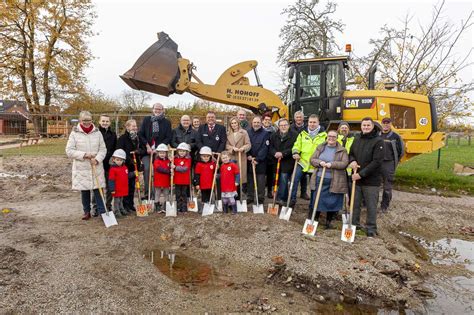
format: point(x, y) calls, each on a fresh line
point(86, 201)
point(299, 175)
point(282, 193)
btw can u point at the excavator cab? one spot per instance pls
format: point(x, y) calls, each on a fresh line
point(317, 86)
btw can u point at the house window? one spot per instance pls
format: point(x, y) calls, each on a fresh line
point(403, 117)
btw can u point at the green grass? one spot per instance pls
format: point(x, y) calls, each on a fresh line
point(47, 147)
point(421, 171)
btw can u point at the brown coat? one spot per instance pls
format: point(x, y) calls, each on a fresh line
point(338, 169)
point(239, 140)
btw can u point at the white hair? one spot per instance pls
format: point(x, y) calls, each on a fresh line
point(84, 114)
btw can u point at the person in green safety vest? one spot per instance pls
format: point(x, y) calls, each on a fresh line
point(345, 138)
point(303, 149)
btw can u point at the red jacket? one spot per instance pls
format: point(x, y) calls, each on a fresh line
point(206, 174)
point(182, 177)
point(118, 180)
point(162, 173)
point(229, 176)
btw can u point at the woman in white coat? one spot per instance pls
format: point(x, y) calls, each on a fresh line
point(86, 146)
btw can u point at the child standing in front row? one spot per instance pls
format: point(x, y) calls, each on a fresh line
point(182, 176)
point(161, 181)
point(204, 174)
point(230, 179)
point(118, 181)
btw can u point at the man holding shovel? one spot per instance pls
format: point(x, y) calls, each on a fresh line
point(366, 155)
point(259, 141)
point(154, 130)
point(281, 143)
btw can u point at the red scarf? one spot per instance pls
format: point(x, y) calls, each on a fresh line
point(87, 130)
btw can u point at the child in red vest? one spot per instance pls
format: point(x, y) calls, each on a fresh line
point(204, 174)
point(182, 176)
point(161, 181)
point(230, 179)
point(118, 181)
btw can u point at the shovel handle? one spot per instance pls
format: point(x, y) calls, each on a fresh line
point(275, 186)
point(316, 201)
point(94, 174)
point(351, 206)
point(255, 181)
point(214, 178)
point(291, 184)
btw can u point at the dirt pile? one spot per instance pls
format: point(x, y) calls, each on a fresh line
point(54, 262)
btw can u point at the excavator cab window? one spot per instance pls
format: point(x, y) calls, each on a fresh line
point(310, 81)
point(333, 81)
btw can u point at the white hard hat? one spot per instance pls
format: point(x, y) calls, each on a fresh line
point(120, 154)
point(205, 150)
point(183, 146)
point(162, 147)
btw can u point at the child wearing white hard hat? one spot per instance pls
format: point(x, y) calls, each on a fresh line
point(118, 181)
point(162, 171)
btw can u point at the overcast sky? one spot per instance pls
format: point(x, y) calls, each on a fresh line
point(215, 35)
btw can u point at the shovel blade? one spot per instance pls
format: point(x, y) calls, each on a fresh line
point(348, 233)
point(109, 219)
point(273, 209)
point(218, 207)
point(258, 209)
point(142, 210)
point(309, 227)
point(193, 205)
point(285, 213)
point(208, 209)
point(171, 209)
point(149, 206)
point(242, 206)
point(345, 219)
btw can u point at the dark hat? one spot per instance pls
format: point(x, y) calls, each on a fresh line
point(386, 120)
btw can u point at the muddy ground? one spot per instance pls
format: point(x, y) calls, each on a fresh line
point(52, 261)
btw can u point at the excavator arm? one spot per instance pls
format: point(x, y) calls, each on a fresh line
point(161, 70)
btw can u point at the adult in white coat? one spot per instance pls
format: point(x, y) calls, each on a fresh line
point(86, 147)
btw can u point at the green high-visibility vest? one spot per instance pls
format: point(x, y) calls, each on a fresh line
point(347, 145)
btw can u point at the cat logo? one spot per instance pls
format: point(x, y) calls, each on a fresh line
point(352, 103)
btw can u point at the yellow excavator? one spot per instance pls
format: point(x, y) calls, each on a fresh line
point(316, 86)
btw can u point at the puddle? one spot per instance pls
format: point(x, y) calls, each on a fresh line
point(449, 251)
point(187, 271)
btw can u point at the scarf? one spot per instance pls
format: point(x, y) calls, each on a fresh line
point(133, 135)
point(313, 133)
point(155, 126)
point(87, 130)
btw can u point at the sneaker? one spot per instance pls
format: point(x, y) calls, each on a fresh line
point(86, 216)
point(292, 203)
point(123, 212)
point(371, 234)
point(117, 214)
point(95, 213)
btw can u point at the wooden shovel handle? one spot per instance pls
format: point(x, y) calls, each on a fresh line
point(316, 201)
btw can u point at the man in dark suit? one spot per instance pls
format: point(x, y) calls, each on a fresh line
point(212, 135)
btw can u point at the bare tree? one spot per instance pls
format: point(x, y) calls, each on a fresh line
point(423, 61)
point(134, 101)
point(44, 50)
point(309, 31)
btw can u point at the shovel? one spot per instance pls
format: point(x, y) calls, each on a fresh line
point(241, 204)
point(192, 201)
point(285, 212)
point(209, 207)
point(258, 208)
point(348, 230)
point(171, 204)
point(149, 203)
point(273, 208)
point(310, 226)
point(108, 217)
point(345, 215)
point(142, 210)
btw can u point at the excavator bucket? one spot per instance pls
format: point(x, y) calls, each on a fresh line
point(156, 70)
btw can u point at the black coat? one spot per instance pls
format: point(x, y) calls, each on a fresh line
point(393, 149)
point(128, 145)
point(368, 151)
point(260, 141)
point(110, 139)
point(179, 135)
point(297, 129)
point(215, 140)
point(164, 135)
point(283, 144)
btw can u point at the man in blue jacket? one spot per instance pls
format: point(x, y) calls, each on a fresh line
point(260, 142)
point(211, 135)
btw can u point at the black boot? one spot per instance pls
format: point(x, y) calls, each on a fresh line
point(234, 209)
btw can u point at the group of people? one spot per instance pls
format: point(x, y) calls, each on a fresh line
point(190, 156)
